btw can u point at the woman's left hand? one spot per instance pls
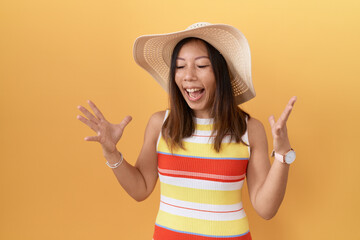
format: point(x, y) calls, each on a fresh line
point(281, 141)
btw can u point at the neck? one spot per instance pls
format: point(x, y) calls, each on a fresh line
point(202, 114)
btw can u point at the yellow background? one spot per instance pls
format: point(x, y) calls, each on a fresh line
point(54, 55)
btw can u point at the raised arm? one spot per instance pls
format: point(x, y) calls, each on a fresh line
point(139, 180)
point(267, 184)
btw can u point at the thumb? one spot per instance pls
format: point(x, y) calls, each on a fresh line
point(125, 122)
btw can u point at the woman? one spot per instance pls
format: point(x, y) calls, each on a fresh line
point(201, 147)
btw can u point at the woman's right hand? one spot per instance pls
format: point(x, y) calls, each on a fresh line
point(108, 134)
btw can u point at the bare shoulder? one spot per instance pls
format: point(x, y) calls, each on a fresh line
point(155, 123)
point(256, 131)
point(156, 120)
point(254, 123)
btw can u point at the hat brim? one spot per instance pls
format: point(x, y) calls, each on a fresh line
point(153, 53)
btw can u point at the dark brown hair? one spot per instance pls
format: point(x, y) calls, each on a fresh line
point(229, 119)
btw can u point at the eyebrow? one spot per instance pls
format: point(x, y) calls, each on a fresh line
point(179, 58)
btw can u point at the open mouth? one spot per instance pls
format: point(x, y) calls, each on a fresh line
point(194, 94)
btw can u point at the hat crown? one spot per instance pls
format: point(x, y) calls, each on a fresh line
point(198, 25)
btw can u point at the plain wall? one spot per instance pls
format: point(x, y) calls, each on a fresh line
point(54, 55)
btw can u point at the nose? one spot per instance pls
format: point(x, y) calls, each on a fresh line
point(190, 74)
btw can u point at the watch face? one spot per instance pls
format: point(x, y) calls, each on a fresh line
point(290, 157)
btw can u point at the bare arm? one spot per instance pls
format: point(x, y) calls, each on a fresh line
point(139, 180)
point(267, 184)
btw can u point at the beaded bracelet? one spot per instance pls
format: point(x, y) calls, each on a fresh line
point(115, 165)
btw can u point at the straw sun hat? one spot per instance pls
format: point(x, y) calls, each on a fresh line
point(153, 53)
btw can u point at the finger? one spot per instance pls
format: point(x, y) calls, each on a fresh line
point(92, 138)
point(125, 122)
point(96, 110)
point(89, 123)
point(286, 113)
point(292, 100)
point(88, 114)
point(272, 121)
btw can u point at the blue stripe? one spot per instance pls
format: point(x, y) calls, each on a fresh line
point(198, 234)
point(188, 156)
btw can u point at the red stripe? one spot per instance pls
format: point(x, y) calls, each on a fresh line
point(202, 210)
point(202, 178)
point(166, 234)
point(226, 167)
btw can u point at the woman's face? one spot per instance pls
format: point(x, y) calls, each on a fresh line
point(195, 78)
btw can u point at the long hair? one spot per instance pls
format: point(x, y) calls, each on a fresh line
point(229, 119)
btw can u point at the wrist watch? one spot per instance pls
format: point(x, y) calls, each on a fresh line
point(287, 158)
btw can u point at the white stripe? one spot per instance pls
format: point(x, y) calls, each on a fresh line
point(204, 121)
point(202, 206)
point(200, 136)
point(203, 140)
point(202, 215)
point(201, 184)
point(202, 132)
point(198, 174)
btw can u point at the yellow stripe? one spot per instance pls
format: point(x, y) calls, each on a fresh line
point(228, 150)
point(200, 226)
point(207, 127)
point(200, 195)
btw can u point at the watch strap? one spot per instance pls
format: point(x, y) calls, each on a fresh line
point(280, 157)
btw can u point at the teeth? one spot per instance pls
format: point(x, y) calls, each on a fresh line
point(190, 90)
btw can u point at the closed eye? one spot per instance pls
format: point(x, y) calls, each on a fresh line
point(203, 66)
point(178, 67)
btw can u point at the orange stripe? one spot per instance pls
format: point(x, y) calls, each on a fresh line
point(162, 233)
point(226, 167)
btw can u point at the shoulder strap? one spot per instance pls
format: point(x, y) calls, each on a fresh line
point(160, 135)
point(245, 137)
point(166, 114)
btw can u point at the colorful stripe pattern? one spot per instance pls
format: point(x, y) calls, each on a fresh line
point(201, 189)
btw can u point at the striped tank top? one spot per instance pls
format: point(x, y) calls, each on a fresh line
point(201, 189)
